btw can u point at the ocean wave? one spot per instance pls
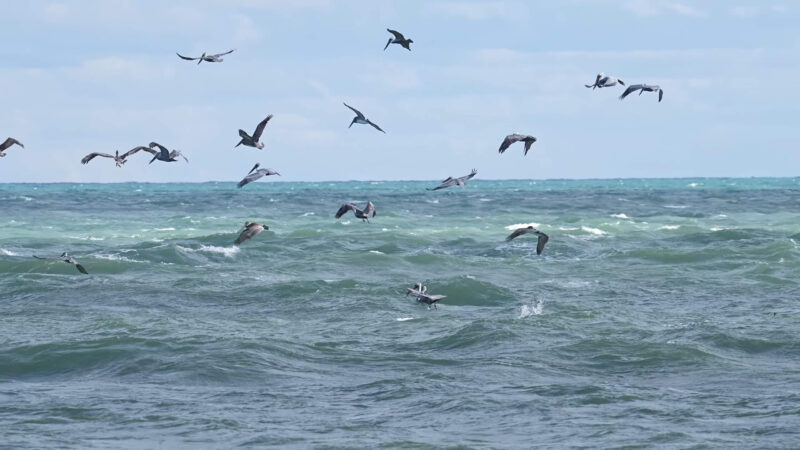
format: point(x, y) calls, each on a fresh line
point(595, 231)
point(8, 252)
point(521, 225)
point(534, 309)
point(228, 252)
point(620, 216)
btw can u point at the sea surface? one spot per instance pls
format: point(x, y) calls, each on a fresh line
point(662, 313)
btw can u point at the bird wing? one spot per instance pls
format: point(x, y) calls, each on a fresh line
point(135, 150)
point(660, 94)
point(631, 88)
point(250, 178)
point(254, 168)
point(434, 298)
point(247, 233)
point(467, 177)
point(344, 208)
point(9, 142)
point(369, 210)
point(185, 57)
point(358, 113)
point(260, 128)
point(376, 126)
point(91, 156)
point(222, 54)
point(620, 82)
point(543, 238)
point(446, 183)
point(80, 268)
point(387, 44)
point(161, 148)
point(174, 155)
point(529, 140)
point(517, 233)
point(398, 35)
point(510, 139)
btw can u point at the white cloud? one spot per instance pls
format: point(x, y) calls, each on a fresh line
point(649, 8)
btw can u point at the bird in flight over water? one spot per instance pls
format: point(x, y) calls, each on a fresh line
point(8, 143)
point(369, 211)
point(254, 174)
point(516, 137)
point(450, 181)
point(543, 238)
point(255, 139)
point(67, 259)
point(119, 160)
point(208, 58)
point(250, 229)
point(398, 39)
point(604, 80)
point(163, 154)
point(643, 88)
point(360, 118)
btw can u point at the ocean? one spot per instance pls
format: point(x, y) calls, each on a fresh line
point(662, 313)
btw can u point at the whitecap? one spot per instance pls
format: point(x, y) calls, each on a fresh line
point(377, 252)
point(596, 231)
point(117, 258)
point(432, 201)
point(717, 228)
point(676, 206)
point(96, 238)
point(522, 225)
point(567, 228)
point(486, 199)
point(8, 252)
point(669, 227)
point(308, 214)
point(228, 252)
point(404, 319)
point(164, 229)
point(384, 229)
point(531, 310)
point(620, 216)
point(694, 184)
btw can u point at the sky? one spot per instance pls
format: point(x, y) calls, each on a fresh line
point(102, 75)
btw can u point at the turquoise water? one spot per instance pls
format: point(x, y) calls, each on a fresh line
point(661, 313)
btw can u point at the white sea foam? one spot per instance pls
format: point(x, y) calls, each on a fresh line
point(8, 252)
point(694, 184)
point(717, 228)
point(404, 319)
point(308, 214)
point(676, 206)
point(522, 225)
point(620, 216)
point(117, 258)
point(596, 231)
point(165, 229)
point(91, 238)
point(228, 252)
point(531, 310)
point(377, 252)
point(435, 201)
point(669, 227)
point(567, 228)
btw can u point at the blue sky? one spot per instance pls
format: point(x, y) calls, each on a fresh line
point(101, 75)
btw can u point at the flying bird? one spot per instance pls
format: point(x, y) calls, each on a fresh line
point(369, 211)
point(67, 259)
point(543, 238)
point(163, 154)
point(516, 137)
point(420, 292)
point(255, 140)
point(604, 80)
point(205, 57)
point(8, 143)
point(398, 39)
point(643, 88)
point(118, 159)
point(250, 229)
point(254, 174)
point(450, 181)
point(360, 118)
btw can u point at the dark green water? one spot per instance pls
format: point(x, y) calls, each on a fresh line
point(662, 313)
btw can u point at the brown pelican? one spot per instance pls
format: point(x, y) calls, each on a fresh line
point(543, 238)
point(420, 292)
point(398, 39)
point(255, 140)
point(163, 154)
point(369, 211)
point(643, 88)
point(67, 259)
point(118, 159)
point(512, 138)
point(209, 58)
point(250, 229)
point(604, 80)
point(8, 143)
point(450, 181)
point(253, 176)
point(359, 118)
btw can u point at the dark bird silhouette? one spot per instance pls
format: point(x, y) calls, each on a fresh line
point(643, 88)
point(516, 137)
point(360, 118)
point(369, 211)
point(118, 159)
point(254, 174)
point(209, 58)
point(255, 139)
point(67, 259)
point(250, 229)
point(604, 80)
point(450, 181)
point(543, 238)
point(420, 292)
point(398, 39)
point(163, 154)
point(8, 143)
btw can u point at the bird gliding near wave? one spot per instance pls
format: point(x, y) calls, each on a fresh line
point(398, 39)
point(253, 176)
point(543, 238)
point(8, 143)
point(643, 88)
point(250, 229)
point(209, 58)
point(67, 259)
point(163, 154)
point(369, 211)
point(255, 139)
point(512, 138)
point(604, 80)
point(360, 118)
point(450, 181)
point(420, 292)
point(118, 159)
